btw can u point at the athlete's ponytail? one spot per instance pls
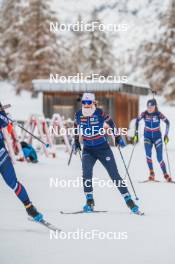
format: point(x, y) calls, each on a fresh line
point(156, 109)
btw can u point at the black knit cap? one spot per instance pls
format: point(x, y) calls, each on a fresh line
point(152, 102)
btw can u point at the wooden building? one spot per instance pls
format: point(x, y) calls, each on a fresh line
point(121, 100)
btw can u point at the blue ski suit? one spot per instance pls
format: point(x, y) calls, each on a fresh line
point(153, 136)
point(6, 167)
point(96, 147)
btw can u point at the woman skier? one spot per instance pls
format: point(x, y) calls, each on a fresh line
point(153, 137)
point(95, 147)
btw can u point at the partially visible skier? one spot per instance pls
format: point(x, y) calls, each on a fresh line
point(95, 148)
point(153, 137)
point(29, 152)
point(8, 173)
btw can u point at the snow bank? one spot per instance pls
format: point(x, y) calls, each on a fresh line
point(23, 105)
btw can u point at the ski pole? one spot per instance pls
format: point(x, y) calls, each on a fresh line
point(3, 107)
point(166, 150)
point(136, 197)
point(132, 152)
point(13, 121)
point(37, 138)
point(79, 151)
point(70, 157)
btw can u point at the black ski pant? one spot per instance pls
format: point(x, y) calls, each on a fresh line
point(104, 154)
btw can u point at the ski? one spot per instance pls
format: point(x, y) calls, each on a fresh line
point(145, 181)
point(156, 181)
point(139, 213)
point(95, 211)
point(83, 212)
point(45, 224)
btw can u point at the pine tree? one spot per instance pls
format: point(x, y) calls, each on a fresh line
point(39, 51)
point(79, 49)
point(100, 51)
point(10, 16)
point(91, 51)
point(160, 56)
point(30, 50)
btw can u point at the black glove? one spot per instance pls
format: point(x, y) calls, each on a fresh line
point(76, 146)
point(119, 141)
point(1, 108)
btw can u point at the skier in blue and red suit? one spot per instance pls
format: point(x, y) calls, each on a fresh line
point(153, 136)
point(8, 173)
point(96, 147)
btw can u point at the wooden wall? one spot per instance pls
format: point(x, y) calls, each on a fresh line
point(123, 107)
point(126, 108)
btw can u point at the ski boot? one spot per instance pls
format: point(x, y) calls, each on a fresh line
point(167, 177)
point(32, 212)
point(133, 207)
point(151, 176)
point(89, 206)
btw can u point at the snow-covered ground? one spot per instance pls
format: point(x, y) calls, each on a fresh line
point(21, 106)
point(150, 237)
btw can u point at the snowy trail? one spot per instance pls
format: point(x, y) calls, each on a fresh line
point(150, 238)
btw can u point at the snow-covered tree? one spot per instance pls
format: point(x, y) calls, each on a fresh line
point(30, 49)
point(159, 61)
point(79, 49)
point(100, 57)
point(91, 51)
point(39, 49)
point(10, 15)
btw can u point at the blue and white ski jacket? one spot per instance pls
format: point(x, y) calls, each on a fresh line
point(3, 123)
point(90, 127)
point(152, 124)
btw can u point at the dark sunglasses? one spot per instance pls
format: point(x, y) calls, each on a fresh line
point(87, 102)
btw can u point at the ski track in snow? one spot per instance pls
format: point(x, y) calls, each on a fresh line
point(150, 237)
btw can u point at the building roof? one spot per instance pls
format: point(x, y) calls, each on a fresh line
point(44, 85)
